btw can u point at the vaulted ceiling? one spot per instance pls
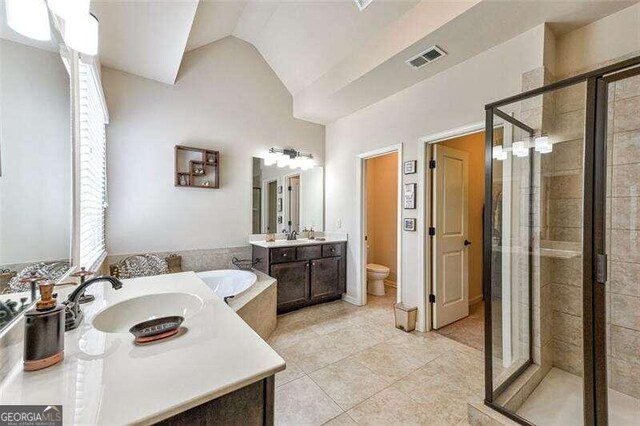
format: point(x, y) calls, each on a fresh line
point(332, 57)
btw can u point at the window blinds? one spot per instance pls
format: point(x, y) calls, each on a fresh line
point(93, 171)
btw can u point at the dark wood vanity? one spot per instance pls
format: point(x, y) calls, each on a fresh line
point(306, 274)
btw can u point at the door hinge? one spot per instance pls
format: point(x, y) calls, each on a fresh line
point(432, 298)
point(432, 231)
point(432, 164)
point(289, 189)
point(601, 268)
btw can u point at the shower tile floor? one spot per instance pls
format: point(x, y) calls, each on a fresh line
point(558, 401)
point(349, 364)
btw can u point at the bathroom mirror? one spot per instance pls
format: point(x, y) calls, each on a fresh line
point(35, 167)
point(287, 199)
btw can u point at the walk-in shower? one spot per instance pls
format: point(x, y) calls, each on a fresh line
point(562, 264)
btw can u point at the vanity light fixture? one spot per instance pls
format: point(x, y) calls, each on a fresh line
point(29, 18)
point(520, 149)
point(81, 33)
point(288, 157)
point(69, 9)
point(543, 144)
point(499, 153)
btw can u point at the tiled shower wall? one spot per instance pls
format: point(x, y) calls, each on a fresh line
point(623, 236)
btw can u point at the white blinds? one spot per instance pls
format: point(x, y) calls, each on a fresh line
point(92, 176)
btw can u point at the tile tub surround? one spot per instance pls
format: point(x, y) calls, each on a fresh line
point(198, 260)
point(257, 305)
point(204, 363)
point(349, 364)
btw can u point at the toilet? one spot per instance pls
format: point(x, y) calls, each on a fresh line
point(375, 278)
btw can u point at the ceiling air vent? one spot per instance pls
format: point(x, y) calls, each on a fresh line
point(431, 54)
point(362, 3)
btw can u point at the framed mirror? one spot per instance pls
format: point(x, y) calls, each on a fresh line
point(35, 167)
point(286, 199)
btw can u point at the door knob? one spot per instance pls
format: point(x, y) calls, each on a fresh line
point(467, 242)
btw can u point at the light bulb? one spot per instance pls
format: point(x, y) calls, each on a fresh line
point(81, 34)
point(520, 149)
point(270, 158)
point(543, 145)
point(29, 18)
point(499, 153)
point(283, 161)
point(69, 9)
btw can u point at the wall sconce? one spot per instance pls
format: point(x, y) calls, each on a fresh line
point(29, 18)
point(289, 157)
point(520, 149)
point(542, 144)
point(499, 153)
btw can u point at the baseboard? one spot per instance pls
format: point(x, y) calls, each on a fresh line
point(350, 299)
point(475, 300)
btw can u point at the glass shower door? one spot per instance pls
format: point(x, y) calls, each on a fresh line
point(619, 322)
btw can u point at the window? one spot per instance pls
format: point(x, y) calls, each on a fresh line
point(93, 168)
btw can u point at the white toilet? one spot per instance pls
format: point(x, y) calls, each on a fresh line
point(375, 278)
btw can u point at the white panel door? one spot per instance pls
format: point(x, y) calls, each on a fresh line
point(450, 263)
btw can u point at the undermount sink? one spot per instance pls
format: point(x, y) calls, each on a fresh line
point(119, 318)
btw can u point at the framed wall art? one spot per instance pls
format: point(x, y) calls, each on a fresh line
point(409, 224)
point(409, 196)
point(410, 167)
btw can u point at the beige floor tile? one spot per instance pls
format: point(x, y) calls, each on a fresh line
point(302, 402)
point(314, 353)
point(388, 361)
point(389, 407)
point(348, 382)
point(342, 419)
point(292, 372)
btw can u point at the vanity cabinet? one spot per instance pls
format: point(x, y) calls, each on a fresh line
point(306, 274)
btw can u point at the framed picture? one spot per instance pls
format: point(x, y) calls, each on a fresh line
point(409, 195)
point(280, 189)
point(410, 167)
point(279, 219)
point(279, 205)
point(409, 224)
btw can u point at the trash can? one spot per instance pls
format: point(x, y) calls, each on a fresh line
point(406, 317)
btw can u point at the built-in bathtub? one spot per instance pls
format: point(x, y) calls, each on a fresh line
point(228, 282)
point(252, 295)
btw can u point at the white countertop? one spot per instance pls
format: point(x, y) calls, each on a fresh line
point(298, 242)
point(106, 379)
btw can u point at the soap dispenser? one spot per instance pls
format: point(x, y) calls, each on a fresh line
point(44, 331)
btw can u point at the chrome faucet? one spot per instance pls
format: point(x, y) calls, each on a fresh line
point(73, 314)
point(291, 236)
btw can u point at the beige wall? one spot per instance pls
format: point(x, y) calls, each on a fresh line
point(382, 211)
point(474, 145)
point(226, 98)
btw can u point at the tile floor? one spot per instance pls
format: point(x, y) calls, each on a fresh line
point(349, 364)
point(469, 330)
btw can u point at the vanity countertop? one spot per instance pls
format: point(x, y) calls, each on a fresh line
point(106, 379)
point(298, 242)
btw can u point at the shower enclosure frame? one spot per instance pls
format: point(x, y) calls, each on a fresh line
point(595, 402)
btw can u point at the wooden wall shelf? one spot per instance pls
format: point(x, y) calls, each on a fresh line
point(197, 167)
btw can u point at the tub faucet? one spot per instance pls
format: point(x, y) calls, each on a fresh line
point(73, 314)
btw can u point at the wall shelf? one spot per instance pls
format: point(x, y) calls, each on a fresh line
point(197, 167)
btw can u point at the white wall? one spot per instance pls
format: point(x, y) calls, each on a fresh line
point(226, 98)
point(35, 187)
point(448, 100)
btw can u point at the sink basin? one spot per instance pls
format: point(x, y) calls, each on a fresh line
point(119, 318)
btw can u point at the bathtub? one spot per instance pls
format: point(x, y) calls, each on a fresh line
point(228, 282)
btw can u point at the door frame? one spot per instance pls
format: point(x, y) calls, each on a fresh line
point(361, 223)
point(265, 205)
point(425, 182)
